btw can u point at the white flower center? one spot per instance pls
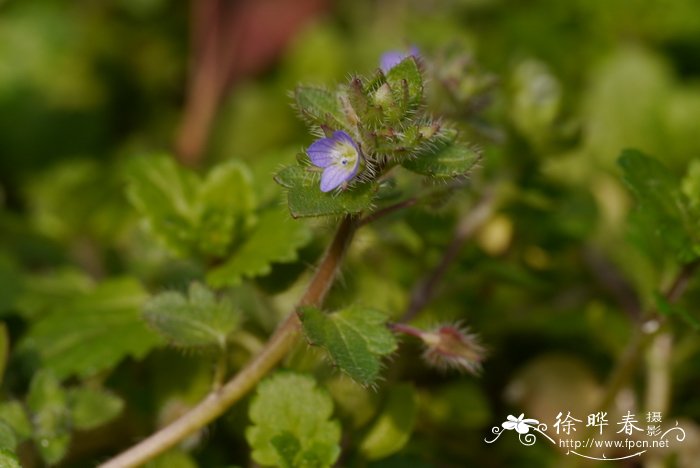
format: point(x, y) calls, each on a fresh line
point(345, 155)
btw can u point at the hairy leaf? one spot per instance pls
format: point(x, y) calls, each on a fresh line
point(8, 459)
point(306, 199)
point(291, 423)
point(321, 107)
point(198, 320)
point(442, 156)
point(393, 428)
point(356, 339)
point(92, 407)
point(406, 77)
point(92, 332)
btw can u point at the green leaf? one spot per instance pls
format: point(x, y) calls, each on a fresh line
point(275, 239)
point(8, 459)
point(291, 421)
point(175, 458)
point(225, 206)
point(663, 211)
point(164, 193)
point(92, 332)
point(321, 107)
point(406, 78)
point(48, 404)
point(13, 413)
point(92, 407)
point(356, 339)
point(197, 320)
point(393, 428)
point(305, 198)
point(190, 215)
point(442, 156)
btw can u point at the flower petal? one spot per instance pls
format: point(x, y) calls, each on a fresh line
point(522, 428)
point(390, 59)
point(321, 152)
point(509, 425)
point(333, 177)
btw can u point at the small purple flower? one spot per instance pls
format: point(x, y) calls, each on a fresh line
point(339, 156)
point(392, 58)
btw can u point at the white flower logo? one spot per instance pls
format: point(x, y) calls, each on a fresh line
point(522, 426)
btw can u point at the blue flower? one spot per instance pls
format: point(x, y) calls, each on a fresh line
point(339, 156)
point(392, 58)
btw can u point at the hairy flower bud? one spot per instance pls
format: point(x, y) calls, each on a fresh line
point(452, 346)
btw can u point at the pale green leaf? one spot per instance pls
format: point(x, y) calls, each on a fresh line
point(291, 423)
point(93, 407)
point(393, 428)
point(48, 403)
point(198, 320)
point(305, 198)
point(443, 156)
point(176, 458)
point(13, 413)
point(274, 239)
point(691, 184)
point(92, 332)
point(356, 339)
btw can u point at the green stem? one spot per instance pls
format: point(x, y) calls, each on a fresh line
point(279, 344)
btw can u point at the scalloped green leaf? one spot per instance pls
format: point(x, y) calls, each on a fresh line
point(93, 407)
point(274, 239)
point(291, 423)
point(198, 320)
point(321, 107)
point(443, 156)
point(305, 198)
point(356, 339)
point(663, 212)
point(91, 332)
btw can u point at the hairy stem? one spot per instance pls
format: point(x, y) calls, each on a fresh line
point(218, 401)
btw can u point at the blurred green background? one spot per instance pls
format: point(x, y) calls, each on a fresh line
point(553, 284)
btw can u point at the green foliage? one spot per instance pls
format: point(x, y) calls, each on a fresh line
point(664, 211)
point(196, 320)
point(274, 239)
point(8, 459)
point(443, 156)
point(291, 423)
point(356, 339)
point(392, 429)
point(91, 333)
point(15, 416)
point(191, 215)
point(305, 199)
point(48, 403)
point(92, 407)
